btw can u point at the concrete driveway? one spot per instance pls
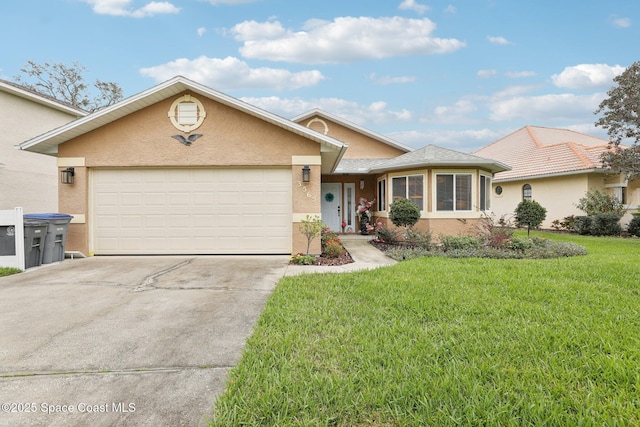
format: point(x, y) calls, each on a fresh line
point(144, 341)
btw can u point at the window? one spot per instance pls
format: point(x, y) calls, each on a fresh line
point(485, 193)
point(499, 190)
point(382, 186)
point(409, 187)
point(620, 194)
point(453, 192)
point(526, 192)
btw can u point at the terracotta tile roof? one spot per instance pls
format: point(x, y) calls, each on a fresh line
point(539, 151)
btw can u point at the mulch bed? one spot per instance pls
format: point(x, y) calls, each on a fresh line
point(343, 259)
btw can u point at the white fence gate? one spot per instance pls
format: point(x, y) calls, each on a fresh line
point(12, 239)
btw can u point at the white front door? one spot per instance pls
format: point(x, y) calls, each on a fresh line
point(331, 207)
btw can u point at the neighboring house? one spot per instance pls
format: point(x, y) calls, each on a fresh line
point(29, 180)
point(556, 168)
point(184, 169)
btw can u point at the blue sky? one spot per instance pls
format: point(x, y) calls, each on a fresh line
point(455, 73)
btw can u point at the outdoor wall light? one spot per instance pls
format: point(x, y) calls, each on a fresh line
point(66, 175)
point(362, 184)
point(306, 173)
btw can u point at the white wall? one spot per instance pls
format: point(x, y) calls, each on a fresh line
point(28, 180)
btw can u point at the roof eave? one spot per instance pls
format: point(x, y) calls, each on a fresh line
point(354, 127)
point(553, 175)
point(35, 97)
point(47, 143)
point(493, 167)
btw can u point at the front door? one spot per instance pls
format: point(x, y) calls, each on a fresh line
point(331, 214)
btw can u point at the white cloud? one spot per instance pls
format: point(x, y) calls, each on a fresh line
point(545, 108)
point(498, 40)
point(231, 2)
point(519, 74)
point(233, 74)
point(450, 9)
point(122, 8)
point(345, 39)
point(413, 5)
point(466, 140)
point(486, 74)
point(620, 22)
point(456, 111)
point(376, 112)
point(389, 80)
point(201, 31)
point(587, 76)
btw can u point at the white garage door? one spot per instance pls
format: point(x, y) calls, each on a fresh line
point(191, 211)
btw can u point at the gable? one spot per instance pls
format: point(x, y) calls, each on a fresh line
point(229, 137)
point(363, 143)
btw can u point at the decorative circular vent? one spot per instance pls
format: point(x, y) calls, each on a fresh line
point(186, 113)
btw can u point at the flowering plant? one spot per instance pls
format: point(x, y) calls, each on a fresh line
point(364, 208)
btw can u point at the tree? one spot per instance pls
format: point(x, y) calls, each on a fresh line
point(66, 83)
point(530, 213)
point(311, 227)
point(404, 213)
point(621, 119)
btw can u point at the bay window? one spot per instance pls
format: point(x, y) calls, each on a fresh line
point(409, 187)
point(453, 192)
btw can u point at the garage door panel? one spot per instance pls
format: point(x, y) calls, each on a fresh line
point(184, 211)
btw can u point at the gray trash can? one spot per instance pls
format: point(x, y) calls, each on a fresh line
point(56, 238)
point(35, 233)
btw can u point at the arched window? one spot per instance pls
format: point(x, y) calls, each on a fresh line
point(526, 192)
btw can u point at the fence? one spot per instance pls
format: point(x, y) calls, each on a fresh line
point(12, 239)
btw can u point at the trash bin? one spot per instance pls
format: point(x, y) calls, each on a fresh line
point(56, 237)
point(35, 232)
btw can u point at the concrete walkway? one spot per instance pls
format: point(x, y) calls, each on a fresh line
point(364, 255)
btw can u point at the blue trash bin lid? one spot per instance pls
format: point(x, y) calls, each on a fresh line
point(48, 216)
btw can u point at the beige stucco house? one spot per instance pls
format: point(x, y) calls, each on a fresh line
point(556, 168)
point(29, 180)
point(184, 169)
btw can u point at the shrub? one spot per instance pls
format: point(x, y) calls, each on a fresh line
point(303, 259)
point(463, 242)
point(530, 214)
point(404, 213)
point(606, 224)
point(582, 225)
point(598, 225)
point(333, 249)
point(386, 235)
point(520, 244)
point(594, 202)
point(496, 235)
point(328, 235)
point(415, 239)
point(634, 226)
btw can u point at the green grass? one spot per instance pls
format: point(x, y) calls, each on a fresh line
point(7, 271)
point(438, 342)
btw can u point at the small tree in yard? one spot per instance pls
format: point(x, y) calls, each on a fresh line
point(404, 213)
point(530, 213)
point(311, 227)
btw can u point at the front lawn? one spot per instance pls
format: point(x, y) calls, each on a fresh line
point(440, 341)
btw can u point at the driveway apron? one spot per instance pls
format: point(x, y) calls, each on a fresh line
point(144, 341)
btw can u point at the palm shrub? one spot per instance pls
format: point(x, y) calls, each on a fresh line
point(530, 214)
